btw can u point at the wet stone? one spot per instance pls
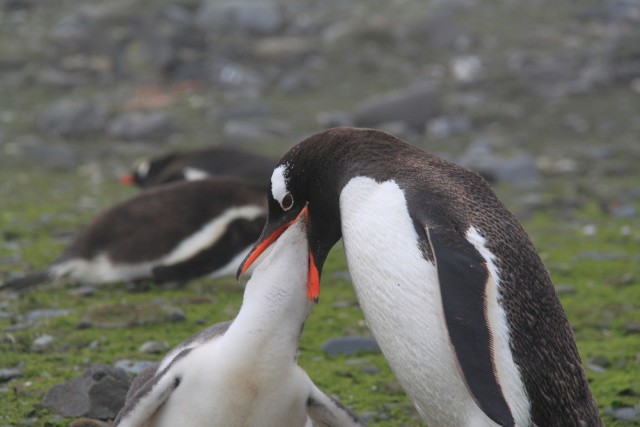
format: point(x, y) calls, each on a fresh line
point(483, 157)
point(121, 315)
point(56, 157)
point(370, 369)
point(99, 393)
point(16, 327)
point(72, 117)
point(448, 126)
point(413, 106)
point(135, 367)
point(564, 289)
point(627, 413)
point(42, 343)
point(46, 313)
point(331, 119)
point(252, 17)
point(350, 345)
point(598, 364)
point(7, 374)
point(632, 328)
point(83, 291)
point(153, 347)
point(141, 126)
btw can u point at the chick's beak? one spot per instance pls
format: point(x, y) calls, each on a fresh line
point(313, 279)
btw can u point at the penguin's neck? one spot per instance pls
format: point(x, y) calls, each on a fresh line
point(270, 320)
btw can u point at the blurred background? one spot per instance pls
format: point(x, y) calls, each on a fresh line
point(523, 91)
point(541, 96)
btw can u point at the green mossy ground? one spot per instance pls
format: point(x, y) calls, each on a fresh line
point(41, 208)
point(603, 269)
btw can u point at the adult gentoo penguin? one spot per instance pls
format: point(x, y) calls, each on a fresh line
point(199, 164)
point(172, 233)
point(243, 373)
point(448, 281)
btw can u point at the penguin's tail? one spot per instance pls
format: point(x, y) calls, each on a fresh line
point(26, 282)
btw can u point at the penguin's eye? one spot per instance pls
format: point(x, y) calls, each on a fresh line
point(287, 202)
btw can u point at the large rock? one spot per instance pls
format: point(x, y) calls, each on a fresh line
point(413, 106)
point(253, 16)
point(71, 118)
point(99, 393)
point(518, 168)
point(123, 315)
point(141, 126)
point(56, 157)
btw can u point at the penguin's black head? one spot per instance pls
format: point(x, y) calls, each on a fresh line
point(302, 184)
point(150, 172)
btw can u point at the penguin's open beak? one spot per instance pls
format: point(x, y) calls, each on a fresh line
point(270, 236)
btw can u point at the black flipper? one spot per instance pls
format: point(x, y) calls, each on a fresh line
point(463, 277)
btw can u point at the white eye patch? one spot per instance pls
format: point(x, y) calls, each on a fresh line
point(279, 183)
point(143, 168)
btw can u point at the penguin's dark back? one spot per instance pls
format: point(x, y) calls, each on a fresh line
point(161, 217)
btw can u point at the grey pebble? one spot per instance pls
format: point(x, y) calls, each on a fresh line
point(83, 291)
point(564, 289)
point(141, 126)
point(350, 345)
point(46, 313)
point(413, 106)
point(42, 343)
point(7, 374)
point(632, 328)
point(153, 347)
point(598, 364)
point(135, 367)
point(72, 118)
point(249, 17)
point(627, 413)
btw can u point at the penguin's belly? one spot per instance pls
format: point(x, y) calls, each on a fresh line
point(101, 269)
point(398, 291)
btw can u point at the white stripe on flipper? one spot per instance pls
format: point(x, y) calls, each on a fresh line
point(508, 374)
point(211, 232)
point(193, 174)
point(101, 269)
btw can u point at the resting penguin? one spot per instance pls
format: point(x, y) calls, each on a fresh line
point(173, 233)
point(243, 373)
point(199, 164)
point(448, 281)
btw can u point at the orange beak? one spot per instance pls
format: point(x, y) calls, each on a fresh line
point(313, 280)
point(126, 179)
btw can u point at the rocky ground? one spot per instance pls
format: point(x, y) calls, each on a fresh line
point(542, 97)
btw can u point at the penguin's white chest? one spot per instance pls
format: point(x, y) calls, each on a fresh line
point(220, 388)
point(398, 291)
